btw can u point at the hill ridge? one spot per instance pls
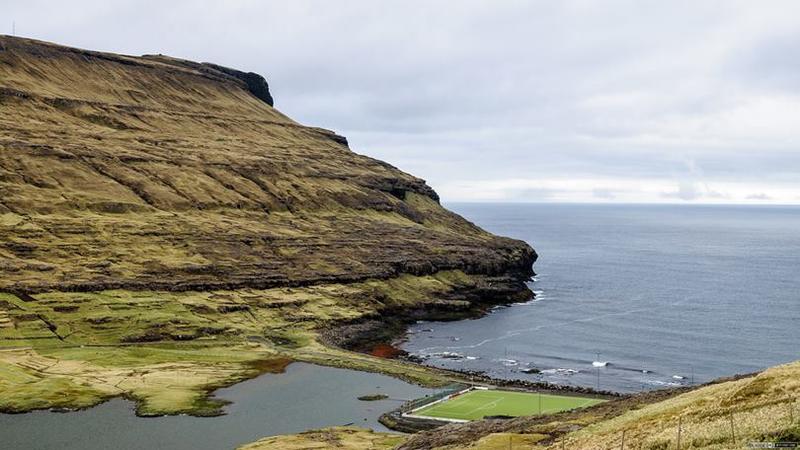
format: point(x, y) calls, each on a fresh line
point(99, 143)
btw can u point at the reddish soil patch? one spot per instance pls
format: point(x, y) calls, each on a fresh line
point(386, 351)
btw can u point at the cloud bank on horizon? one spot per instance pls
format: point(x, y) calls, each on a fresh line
point(610, 101)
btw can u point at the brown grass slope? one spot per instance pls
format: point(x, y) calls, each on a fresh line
point(350, 438)
point(158, 173)
point(165, 231)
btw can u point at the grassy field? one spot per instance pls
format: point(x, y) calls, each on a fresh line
point(480, 403)
point(168, 350)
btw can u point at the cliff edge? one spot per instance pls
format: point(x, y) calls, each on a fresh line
point(159, 173)
point(165, 231)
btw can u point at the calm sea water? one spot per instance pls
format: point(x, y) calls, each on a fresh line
point(666, 295)
point(304, 397)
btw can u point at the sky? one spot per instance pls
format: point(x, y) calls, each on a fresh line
point(507, 101)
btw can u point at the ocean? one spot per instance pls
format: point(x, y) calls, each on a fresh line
point(635, 297)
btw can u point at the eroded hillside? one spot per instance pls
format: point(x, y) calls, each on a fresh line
point(158, 217)
point(153, 172)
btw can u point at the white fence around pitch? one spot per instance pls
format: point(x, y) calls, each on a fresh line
point(412, 412)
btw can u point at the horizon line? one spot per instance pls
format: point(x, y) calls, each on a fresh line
point(568, 202)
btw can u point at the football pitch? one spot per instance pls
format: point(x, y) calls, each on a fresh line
point(477, 404)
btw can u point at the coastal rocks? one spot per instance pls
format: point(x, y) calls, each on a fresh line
point(508, 362)
point(458, 298)
point(449, 355)
point(373, 397)
point(480, 377)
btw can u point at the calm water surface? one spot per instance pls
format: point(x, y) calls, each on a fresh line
point(304, 397)
point(664, 294)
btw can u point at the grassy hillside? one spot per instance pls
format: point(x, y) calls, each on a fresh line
point(167, 350)
point(164, 230)
point(337, 437)
point(763, 408)
point(156, 173)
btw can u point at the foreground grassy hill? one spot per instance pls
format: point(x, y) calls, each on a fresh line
point(165, 230)
point(351, 438)
point(719, 416)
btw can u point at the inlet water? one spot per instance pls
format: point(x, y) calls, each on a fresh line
point(304, 397)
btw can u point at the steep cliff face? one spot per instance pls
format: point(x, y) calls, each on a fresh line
point(162, 201)
point(159, 173)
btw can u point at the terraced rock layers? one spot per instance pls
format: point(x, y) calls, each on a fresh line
point(152, 172)
point(159, 217)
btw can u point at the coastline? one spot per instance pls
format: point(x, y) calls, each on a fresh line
point(216, 339)
point(346, 344)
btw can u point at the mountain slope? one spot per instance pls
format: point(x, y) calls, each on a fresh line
point(160, 220)
point(154, 172)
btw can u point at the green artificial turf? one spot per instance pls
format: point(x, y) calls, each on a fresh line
point(477, 404)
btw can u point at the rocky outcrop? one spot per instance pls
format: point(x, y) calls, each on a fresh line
point(256, 84)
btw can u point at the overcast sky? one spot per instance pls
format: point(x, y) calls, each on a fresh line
point(604, 101)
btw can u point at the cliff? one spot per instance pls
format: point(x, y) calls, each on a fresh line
point(159, 173)
point(162, 201)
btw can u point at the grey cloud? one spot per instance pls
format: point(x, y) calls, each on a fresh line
point(605, 194)
point(686, 191)
point(767, 64)
point(499, 90)
point(534, 195)
point(759, 196)
point(691, 191)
